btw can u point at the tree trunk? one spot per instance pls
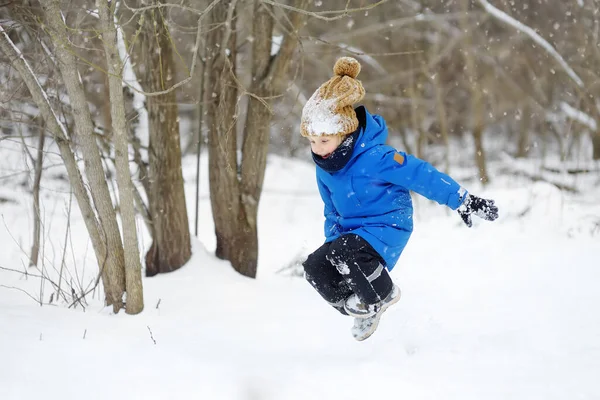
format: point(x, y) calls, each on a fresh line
point(113, 271)
point(171, 246)
point(442, 120)
point(477, 110)
point(39, 162)
point(268, 77)
point(221, 121)
point(477, 106)
point(596, 145)
point(525, 126)
point(235, 199)
point(133, 266)
point(256, 140)
point(480, 152)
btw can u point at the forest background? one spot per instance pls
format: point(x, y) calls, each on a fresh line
point(124, 91)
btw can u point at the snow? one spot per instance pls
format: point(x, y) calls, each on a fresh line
point(319, 116)
point(504, 310)
point(276, 41)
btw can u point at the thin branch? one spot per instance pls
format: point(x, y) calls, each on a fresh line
point(173, 5)
point(62, 262)
point(26, 273)
point(21, 290)
point(321, 15)
point(192, 68)
point(507, 19)
point(84, 294)
point(396, 24)
point(228, 30)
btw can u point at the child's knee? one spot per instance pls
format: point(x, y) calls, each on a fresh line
point(311, 264)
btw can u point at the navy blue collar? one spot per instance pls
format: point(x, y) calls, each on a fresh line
point(340, 156)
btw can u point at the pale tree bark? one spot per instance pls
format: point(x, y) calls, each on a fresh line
point(171, 246)
point(113, 272)
point(133, 267)
point(59, 133)
point(235, 199)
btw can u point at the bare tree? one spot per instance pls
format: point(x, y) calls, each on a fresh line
point(133, 268)
point(98, 210)
point(114, 270)
point(236, 189)
point(155, 65)
point(60, 134)
point(221, 122)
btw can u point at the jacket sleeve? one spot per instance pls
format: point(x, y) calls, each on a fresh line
point(421, 177)
point(332, 231)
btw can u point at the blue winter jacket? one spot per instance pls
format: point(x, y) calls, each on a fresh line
point(370, 195)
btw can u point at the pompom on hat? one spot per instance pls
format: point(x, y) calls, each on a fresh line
point(330, 110)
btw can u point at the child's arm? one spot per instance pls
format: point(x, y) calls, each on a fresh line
point(421, 177)
point(332, 231)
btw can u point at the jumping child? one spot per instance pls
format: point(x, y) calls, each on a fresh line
point(365, 186)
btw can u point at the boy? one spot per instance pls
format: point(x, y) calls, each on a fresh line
point(365, 188)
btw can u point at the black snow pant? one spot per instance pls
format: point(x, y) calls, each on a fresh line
point(346, 266)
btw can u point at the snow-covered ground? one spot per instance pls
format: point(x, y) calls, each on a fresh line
point(505, 310)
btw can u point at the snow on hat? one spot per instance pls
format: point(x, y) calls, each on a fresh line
point(330, 109)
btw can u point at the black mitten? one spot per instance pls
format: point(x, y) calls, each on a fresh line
point(483, 208)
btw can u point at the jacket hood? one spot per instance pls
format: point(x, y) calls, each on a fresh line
point(374, 131)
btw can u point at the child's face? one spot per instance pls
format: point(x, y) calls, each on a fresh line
point(324, 145)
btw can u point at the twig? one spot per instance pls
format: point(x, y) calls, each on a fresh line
point(538, 178)
point(571, 171)
point(151, 336)
point(42, 277)
point(24, 291)
point(26, 273)
point(180, 6)
point(62, 262)
point(396, 24)
point(321, 15)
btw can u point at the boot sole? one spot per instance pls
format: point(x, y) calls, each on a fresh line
point(377, 318)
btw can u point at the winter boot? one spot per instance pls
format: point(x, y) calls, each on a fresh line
point(357, 309)
point(364, 327)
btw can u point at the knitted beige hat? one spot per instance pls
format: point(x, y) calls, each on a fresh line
point(330, 109)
